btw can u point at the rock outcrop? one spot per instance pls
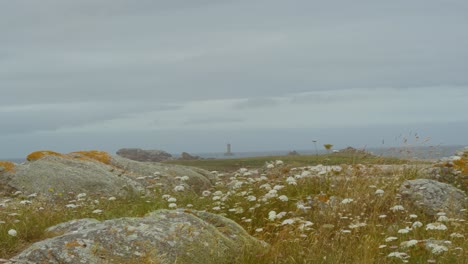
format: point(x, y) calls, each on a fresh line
point(432, 196)
point(144, 155)
point(98, 173)
point(187, 156)
point(162, 236)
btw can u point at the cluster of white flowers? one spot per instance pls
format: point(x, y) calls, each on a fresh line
point(397, 208)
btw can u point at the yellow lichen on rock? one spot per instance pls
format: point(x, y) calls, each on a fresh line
point(96, 155)
point(42, 153)
point(9, 166)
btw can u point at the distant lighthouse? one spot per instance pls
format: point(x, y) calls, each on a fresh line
point(228, 150)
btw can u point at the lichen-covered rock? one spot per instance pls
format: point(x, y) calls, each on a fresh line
point(433, 196)
point(160, 237)
point(96, 172)
point(56, 174)
point(452, 170)
point(165, 175)
point(144, 155)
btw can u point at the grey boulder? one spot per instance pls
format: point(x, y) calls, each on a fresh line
point(162, 236)
point(137, 154)
point(432, 196)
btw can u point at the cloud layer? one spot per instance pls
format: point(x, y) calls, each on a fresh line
point(106, 66)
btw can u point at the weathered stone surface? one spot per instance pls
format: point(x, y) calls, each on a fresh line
point(144, 155)
point(160, 237)
point(54, 174)
point(165, 175)
point(116, 177)
point(433, 196)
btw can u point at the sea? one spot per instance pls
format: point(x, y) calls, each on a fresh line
point(419, 152)
point(409, 152)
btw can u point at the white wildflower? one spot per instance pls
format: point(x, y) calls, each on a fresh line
point(288, 222)
point(357, 225)
point(417, 224)
point(443, 218)
point(270, 166)
point(218, 193)
point(258, 230)
point(397, 208)
point(291, 181)
point(280, 215)
point(272, 215)
point(413, 216)
point(216, 208)
point(166, 196)
point(279, 162)
point(283, 198)
point(347, 201)
point(344, 231)
point(184, 178)
point(71, 206)
point(172, 205)
point(400, 255)
point(189, 205)
point(216, 198)
point(172, 200)
point(179, 188)
point(456, 235)
point(403, 231)
point(305, 224)
point(379, 192)
point(436, 226)
point(265, 186)
point(12, 232)
point(278, 187)
point(390, 239)
point(382, 216)
point(112, 198)
point(81, 195)
point(437, 249)
point(24, 202)
point(382, 246)
point(408, 244)
point(206, 193)
point(97, 211)
point(251, 198)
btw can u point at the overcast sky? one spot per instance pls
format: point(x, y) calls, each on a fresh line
point(187, 75)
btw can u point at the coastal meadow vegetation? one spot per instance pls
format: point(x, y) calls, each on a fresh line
point(332, 212)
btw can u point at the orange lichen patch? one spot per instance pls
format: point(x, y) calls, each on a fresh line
point(73, 243)
point(461, 165)
point(97, 155)
point(42, 153)
point(9, 166)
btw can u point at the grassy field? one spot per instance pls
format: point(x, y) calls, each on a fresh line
point(354, 215)
point(292, 160)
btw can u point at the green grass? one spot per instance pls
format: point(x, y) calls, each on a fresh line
point(294, 161)
point(326, 241)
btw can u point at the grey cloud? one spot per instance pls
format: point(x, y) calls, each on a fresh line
point(40, 118)
point(256, 103)
point(183, 50)
point(213, 120)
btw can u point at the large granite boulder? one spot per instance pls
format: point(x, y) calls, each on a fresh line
point(144, 155)
point(162, 237)
point(432, 196)
point(55, 174)
point(96, 172)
